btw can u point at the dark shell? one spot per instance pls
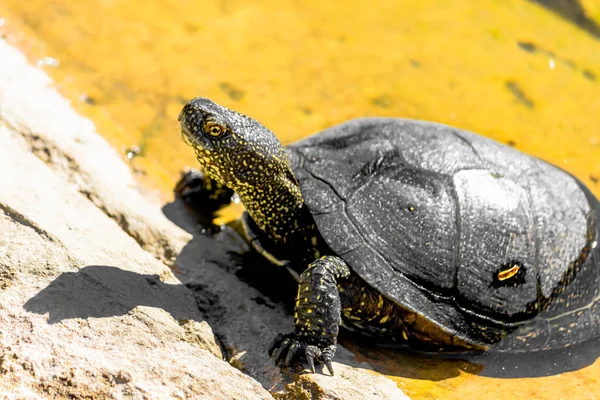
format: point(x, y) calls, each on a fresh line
point(436, 218)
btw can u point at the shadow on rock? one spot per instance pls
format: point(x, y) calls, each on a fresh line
point(241, 294)
point(105, 291)
point(223, 246)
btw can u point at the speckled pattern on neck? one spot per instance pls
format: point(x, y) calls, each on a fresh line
point(255, 166)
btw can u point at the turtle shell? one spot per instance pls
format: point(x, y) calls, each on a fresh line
point(492, 245)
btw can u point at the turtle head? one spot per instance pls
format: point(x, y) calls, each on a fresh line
point(232, 148)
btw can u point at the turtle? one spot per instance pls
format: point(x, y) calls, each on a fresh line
point(406, 231)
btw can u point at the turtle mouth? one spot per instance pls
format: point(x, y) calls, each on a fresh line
point(189, 128)
point(190, 138)
point(185, 136)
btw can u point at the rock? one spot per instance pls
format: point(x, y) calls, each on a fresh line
point(85, 312)
point(352, 381)
point(88, 304)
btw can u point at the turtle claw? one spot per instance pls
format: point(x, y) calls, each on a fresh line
point(285, 348)
point(327, 356)
point(310, 359)
point(329, 367)
point(290, 353)
point(276, 343)
point(312, 352)
point(281, 352)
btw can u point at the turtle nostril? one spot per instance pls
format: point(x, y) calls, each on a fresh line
point(187, 124)
point(183, 127)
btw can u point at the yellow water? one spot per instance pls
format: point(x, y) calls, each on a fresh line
point(509, 69)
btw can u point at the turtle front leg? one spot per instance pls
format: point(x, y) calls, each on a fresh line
point(202, 194)
point(317, 315)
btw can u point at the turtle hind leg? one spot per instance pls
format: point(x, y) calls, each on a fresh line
point(203, 196)
point(317, 315)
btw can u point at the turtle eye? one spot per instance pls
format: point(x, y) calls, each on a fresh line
point(213, 129)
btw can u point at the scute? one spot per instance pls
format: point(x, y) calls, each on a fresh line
point(497, 229)
point(560, 206)
point(427, 214)
point(433, 147)
point(409, 218)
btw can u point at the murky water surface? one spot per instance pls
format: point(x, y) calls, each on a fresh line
point(524, 72)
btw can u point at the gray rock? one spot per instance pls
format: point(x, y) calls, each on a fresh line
point(85, 312)
point(88, 304)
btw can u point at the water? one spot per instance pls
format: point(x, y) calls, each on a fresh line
point(524, 72)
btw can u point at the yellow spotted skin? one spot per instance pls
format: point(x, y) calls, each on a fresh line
point(247, 158)
point(238, 154)
point(318, 303)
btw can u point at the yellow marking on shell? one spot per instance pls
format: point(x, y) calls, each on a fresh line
point(309, 311)
point(384, 319)
point(380, 302)
point(508, 273)
point(319, 297)
point(362, 303)
point(404, 335)
point(306, 300)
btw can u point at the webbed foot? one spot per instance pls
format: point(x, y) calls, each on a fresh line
point(285, 348)
point(203, 195)
point(190, 182)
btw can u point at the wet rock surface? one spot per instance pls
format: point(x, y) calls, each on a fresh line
point(103, 294)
